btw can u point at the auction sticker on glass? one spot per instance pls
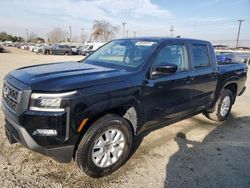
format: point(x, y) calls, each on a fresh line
point(144, 43)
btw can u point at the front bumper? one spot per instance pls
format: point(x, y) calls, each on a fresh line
point(17, 133)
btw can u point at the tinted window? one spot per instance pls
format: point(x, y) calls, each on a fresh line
point(200, 55)
point(173, 54)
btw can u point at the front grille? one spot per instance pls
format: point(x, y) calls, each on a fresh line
point(11, 96)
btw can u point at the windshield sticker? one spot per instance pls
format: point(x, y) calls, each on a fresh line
point(144, 43)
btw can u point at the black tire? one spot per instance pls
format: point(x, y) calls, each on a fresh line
point(66, 53)
point(216, 115)
point(97, 129)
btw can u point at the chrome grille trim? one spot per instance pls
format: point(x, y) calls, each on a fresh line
point(11, 96)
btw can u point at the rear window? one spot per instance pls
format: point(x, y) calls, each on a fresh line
point(200, 55)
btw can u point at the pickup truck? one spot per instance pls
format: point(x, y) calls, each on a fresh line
point(91, 111)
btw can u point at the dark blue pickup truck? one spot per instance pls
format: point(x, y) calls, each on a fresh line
point(92, 111)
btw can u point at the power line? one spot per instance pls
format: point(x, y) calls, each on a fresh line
point(27, 34)
point(70, 34)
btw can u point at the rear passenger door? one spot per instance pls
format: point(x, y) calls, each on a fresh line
point(61, 49)
point(204, 74)
point(55, 49)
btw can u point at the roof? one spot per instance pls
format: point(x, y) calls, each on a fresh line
point(161, 39)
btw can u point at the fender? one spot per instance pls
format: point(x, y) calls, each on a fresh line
point(221, 86)
point(128, 107)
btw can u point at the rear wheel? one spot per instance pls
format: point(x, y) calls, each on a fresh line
point(105, 146)
point(222, 107)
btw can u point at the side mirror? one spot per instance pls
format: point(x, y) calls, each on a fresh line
point(164, 69)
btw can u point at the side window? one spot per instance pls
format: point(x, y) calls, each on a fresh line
point(200, 55)
point(173, 54)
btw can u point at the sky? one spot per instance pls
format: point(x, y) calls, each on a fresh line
point(203, 19)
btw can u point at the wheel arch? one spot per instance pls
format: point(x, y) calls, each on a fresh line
point(233, 87)
point(130, 112)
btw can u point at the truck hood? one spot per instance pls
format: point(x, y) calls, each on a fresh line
point(67, 76)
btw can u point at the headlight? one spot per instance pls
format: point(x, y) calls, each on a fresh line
point(48, 102)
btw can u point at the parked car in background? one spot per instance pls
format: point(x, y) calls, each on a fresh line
point(38, 48)
point(46, 49)
point(24, 46)
point(9, 43)
point(229, 57)
point(246, 57)
point(60, 49)
point(89, 48)
point(74, 49)
point(1, 49)
point(31, 47)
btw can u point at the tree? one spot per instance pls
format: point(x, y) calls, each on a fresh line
point(56, 35)
point(39, 40)
point(103, 31)
point(35, 39)
point(3, 36)
point(6, 37)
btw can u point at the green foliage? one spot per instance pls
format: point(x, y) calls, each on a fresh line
point(38, 40)
point(7, 37)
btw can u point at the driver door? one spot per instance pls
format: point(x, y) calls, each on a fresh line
point(169, 95)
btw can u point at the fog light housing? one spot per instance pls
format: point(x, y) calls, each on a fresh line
point(45, 132)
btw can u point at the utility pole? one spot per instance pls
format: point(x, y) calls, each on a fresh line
point(70, 34)
point(134, 33)
point(67, 37)
point(127, 34)
point(82, 33)
point(171, 31)
point(238, 36)
point(123, 29)
point(27, 34)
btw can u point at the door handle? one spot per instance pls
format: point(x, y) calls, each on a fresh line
point(189, 78)
point(212, 75)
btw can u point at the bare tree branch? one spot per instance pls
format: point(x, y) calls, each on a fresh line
point(57, 35)
point(103, 31)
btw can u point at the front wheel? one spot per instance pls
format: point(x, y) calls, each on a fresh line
point(105, 146)
point(222, 107)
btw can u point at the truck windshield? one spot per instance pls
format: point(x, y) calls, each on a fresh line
point(125, 54)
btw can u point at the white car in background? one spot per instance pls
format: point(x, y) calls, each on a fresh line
point(31, 47)
point(89, 48)
point(38, 48)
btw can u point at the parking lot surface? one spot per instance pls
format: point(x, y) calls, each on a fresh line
point(195, 152)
